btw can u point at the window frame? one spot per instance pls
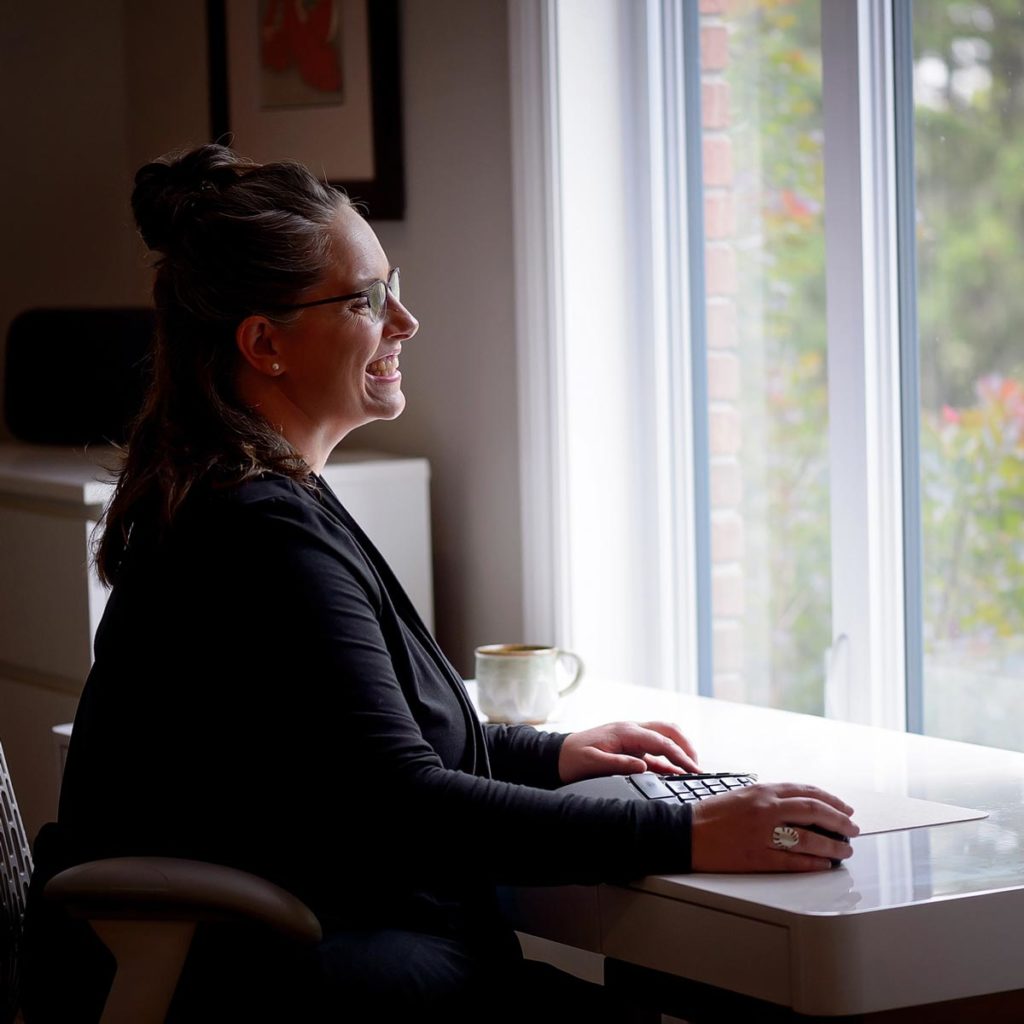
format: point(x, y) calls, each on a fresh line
point(873, 668)
point(865, 682)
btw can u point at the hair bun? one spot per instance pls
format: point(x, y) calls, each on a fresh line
point(169, 189)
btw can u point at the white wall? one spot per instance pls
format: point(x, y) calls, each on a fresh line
point(88, 92)
point(455, 251)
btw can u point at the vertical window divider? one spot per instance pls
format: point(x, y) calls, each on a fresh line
point(866, 684)
point(906, 207)
point(692, 216)
point(656, 232)
point(665, 84)
point(533, 76)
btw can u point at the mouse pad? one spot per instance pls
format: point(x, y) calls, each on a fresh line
point(889, 812)
point(873, 812)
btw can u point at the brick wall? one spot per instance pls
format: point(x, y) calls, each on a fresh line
point(725, 427)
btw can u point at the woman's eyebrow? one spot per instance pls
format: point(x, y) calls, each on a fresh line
point(368, 281)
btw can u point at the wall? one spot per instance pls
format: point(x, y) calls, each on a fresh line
point(63, 222)
point(64, 174)
point(89, 92)
point(455, 250)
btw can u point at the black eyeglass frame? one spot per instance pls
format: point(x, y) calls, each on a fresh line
point(392, 284)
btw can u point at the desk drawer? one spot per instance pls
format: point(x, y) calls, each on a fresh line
point(710, 946)
point(569, 914)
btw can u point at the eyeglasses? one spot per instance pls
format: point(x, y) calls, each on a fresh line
point(376, 297)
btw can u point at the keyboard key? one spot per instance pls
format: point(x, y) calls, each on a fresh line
point(652, 787)
point(693, 785)
point(676, 786)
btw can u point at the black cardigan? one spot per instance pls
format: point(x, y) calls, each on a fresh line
point(264, 695)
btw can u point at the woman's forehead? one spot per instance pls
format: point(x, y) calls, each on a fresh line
point(357, 253)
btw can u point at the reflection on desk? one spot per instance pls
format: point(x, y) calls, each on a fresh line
point(913, 917)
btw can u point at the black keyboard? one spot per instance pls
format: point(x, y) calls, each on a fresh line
point(689, 787)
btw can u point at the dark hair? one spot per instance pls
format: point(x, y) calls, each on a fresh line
point(234, 238)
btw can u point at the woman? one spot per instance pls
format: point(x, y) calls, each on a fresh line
point(264, 694)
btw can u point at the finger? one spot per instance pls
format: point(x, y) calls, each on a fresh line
point(808, 811)
point(799, 791)
point(817, 845)
point(674, 760)
point(794, 789)
point(679, 765)
point(654, 744)
point(663, 767)
point(834, 849)
point(804, 862)
point(783, 860)
point(674, 733)
point(619, 764)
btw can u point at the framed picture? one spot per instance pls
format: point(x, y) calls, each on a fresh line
point(316, 81)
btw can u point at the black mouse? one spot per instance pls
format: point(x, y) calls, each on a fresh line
point(829, 834)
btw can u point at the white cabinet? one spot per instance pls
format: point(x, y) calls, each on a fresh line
point(389, 498)
point(51, 600)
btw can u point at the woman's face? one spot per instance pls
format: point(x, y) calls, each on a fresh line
point(341, 366)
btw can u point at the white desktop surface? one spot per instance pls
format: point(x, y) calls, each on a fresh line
point(917, 916)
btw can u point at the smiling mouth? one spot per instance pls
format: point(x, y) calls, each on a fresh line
point(386, 367)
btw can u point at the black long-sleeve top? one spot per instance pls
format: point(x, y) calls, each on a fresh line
point(264, 695)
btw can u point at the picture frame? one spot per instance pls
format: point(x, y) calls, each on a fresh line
point(352, 137)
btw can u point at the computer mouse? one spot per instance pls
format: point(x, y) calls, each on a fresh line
point(831, 835)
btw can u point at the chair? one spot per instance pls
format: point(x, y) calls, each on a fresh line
point(15, 871)
point(144, 909)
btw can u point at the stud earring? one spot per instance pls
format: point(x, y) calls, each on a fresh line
point(275, 367)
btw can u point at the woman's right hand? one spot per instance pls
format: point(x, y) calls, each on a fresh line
point(737, 831)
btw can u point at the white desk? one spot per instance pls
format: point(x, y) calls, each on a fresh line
point(914, 917)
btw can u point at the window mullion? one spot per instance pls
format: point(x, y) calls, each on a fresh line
point(533, 59)
point(665, 227)
point(903, 68)
point(691, 204)
point(866, 662)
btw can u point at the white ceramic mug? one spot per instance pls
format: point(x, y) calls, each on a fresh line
point(519, 683)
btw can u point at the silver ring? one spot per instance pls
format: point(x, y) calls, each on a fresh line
point(785, 837)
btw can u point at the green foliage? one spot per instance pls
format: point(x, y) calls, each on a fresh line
point(969, 161)
point(972, 475)
point(775, 98)
point(969, 164)
point(969, 169)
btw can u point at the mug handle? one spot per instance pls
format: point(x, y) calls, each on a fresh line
point(577, 675)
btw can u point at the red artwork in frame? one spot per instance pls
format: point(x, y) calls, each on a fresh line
point(316, 81)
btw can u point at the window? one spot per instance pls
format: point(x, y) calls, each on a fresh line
point(773, 399)
point(969, 181)
point(762, 137)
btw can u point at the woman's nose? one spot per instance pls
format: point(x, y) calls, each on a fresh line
point(401, 323)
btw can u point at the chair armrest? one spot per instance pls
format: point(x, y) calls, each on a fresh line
point(173, 889)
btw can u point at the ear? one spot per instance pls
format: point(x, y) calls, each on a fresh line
point(258, 342)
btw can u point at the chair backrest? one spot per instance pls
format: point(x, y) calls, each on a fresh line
point(15, 871)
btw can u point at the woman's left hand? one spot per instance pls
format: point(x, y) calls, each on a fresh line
point(625, 748)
